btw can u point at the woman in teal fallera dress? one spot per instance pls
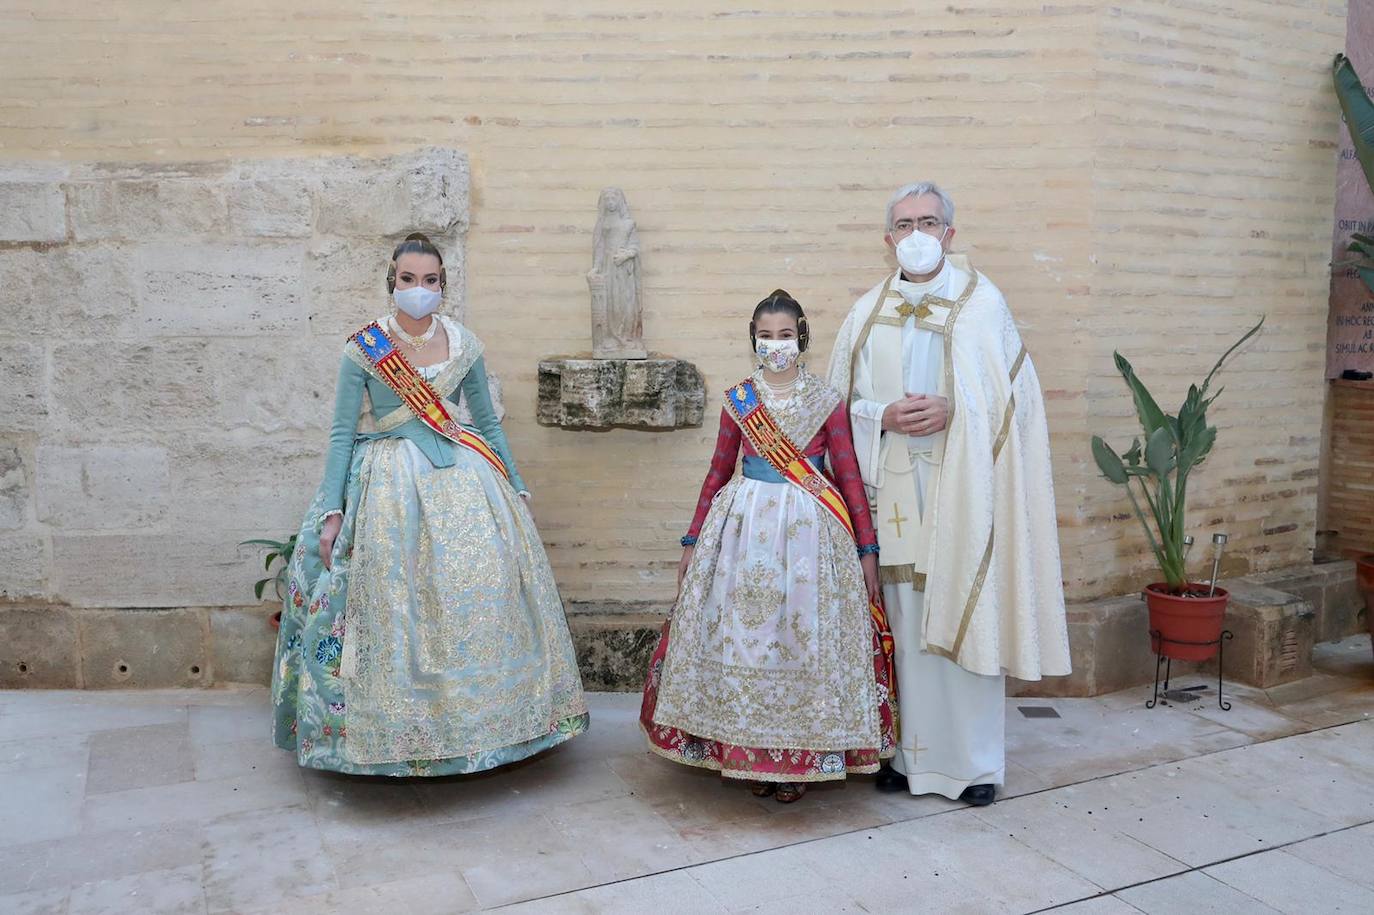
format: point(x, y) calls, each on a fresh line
point(422, 632)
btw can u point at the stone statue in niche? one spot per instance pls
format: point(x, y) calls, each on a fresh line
point(617, 313)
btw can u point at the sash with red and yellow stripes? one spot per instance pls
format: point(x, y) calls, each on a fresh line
point(773, 445)
point(417, 394)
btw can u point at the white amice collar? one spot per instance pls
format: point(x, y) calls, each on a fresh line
point(936, 285)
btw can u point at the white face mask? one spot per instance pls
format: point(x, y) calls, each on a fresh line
point(777, 355)
point(920, 253)
point(417, 301)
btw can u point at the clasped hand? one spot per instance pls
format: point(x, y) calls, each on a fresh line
point(916, 414)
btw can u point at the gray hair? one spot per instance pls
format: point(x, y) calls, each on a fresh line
point(920, 189)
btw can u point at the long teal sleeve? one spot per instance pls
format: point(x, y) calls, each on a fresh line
point(348, 403)
point(474, 388)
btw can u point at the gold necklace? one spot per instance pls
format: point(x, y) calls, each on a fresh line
point(416, 343)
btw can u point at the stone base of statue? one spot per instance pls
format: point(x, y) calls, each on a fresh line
point(655, 393)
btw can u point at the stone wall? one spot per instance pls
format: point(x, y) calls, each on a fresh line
point(171, 342)
point(1149, 176)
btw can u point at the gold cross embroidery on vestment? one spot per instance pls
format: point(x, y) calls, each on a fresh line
point(897, 518)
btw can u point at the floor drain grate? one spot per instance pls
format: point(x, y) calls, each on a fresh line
point(1037, 711)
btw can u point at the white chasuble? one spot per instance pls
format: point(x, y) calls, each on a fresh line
point(969, 607)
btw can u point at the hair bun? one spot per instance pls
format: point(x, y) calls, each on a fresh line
point(419, 236)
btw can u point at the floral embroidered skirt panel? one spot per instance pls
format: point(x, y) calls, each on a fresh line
point(437, 644)
point(770, 667)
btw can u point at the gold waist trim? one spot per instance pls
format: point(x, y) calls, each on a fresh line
point(902, 575)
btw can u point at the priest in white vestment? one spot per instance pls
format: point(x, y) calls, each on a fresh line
point(950, 433)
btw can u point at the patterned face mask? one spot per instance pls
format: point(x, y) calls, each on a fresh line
point(777, 355)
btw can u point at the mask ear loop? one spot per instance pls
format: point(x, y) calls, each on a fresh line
point(391, 278)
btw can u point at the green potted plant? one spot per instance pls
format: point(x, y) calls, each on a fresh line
point(279, 552)
point(1185, 616)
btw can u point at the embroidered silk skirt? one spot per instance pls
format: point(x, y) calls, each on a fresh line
point(770, 667)
point(437, 644)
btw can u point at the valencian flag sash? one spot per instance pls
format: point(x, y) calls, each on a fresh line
point(787, 459)
point(417, 394)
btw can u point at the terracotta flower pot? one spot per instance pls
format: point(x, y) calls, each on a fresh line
point(1184, 625)
point(1364, 579)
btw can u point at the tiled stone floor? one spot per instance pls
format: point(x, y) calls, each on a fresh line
point(175, 801)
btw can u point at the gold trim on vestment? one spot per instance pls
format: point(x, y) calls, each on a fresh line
point(863, 336)
point(941, 653)
point(1011, 408)
point(973, 596)
point(978, 579)
point(1016, 365)
point(947, 328)
point(902, 575)
point(954, 310)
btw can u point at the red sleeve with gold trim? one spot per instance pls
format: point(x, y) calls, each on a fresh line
point(844, 465)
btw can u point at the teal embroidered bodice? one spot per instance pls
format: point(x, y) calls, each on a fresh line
point(465, 374)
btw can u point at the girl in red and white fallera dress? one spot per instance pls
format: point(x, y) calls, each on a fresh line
point(775, 664)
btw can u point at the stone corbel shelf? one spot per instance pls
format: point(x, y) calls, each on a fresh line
point(654, 394)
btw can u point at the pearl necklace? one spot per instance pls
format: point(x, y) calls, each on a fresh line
point(419, 342)
point(783, 390)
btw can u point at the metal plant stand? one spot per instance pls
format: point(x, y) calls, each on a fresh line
point(1168, 664)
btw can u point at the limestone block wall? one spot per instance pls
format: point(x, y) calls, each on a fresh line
point(1148, 176)
point(171, 340)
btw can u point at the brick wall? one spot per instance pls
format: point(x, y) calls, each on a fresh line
point(1146, 176)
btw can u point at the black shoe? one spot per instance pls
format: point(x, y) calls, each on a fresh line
point(890, 780)
point(979, 795)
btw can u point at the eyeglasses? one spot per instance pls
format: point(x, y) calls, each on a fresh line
point(925, 224)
